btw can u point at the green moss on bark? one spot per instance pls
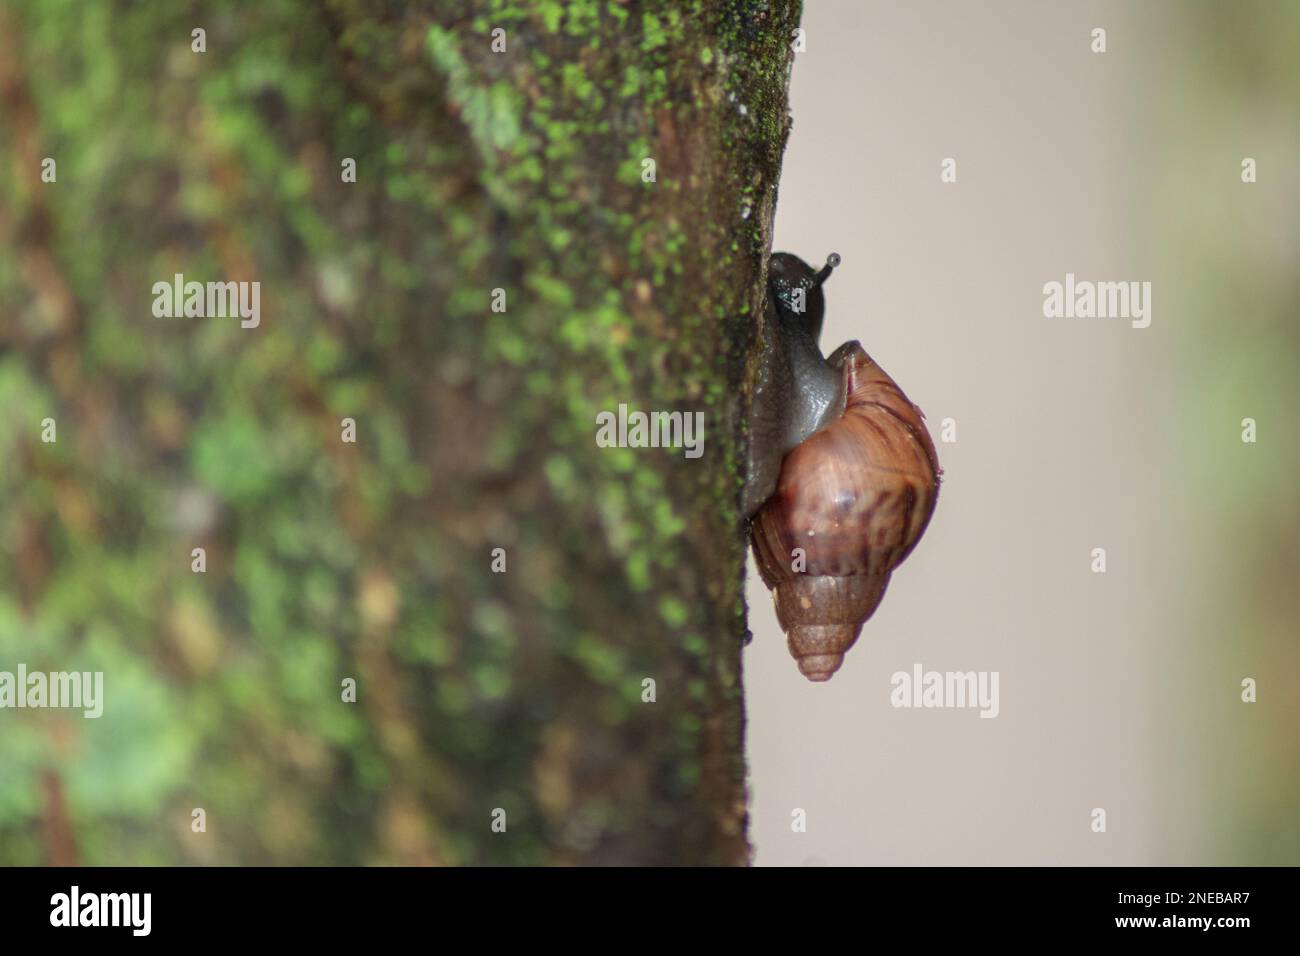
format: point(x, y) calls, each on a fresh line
point(477, 171)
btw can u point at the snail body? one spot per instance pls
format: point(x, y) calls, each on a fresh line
point(852, 497)
point(796, 392)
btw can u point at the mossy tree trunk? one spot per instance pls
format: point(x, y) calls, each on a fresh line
point(476, 170)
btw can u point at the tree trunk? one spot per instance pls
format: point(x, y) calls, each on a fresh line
point(503, 270)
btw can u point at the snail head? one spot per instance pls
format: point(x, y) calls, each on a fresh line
point(796, 290)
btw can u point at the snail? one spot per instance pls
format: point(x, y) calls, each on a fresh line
point(842, 476)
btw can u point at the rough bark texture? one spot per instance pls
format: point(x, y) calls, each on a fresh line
point(476, 170)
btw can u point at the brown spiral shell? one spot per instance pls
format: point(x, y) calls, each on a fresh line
point(856, 497)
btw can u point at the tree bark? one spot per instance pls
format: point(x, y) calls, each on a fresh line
point(483, 697)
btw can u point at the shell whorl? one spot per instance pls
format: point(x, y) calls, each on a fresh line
point(855, 497)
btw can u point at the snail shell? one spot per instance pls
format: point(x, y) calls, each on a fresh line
point(856, 497)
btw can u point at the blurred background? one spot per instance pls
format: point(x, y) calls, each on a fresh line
point(1119, 690)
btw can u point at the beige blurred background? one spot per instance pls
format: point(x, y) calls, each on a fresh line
point(1118, 690)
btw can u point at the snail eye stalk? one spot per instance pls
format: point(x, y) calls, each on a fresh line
point(832, 261)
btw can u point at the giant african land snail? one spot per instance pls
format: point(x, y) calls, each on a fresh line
point(842, 474)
